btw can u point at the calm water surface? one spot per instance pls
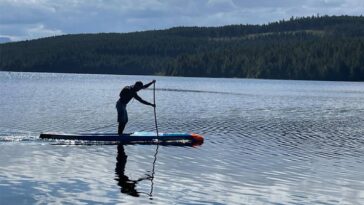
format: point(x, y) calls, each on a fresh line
point(267, 141)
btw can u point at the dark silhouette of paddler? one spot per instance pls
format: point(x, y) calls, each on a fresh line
point(126, 94)
point(127, 186)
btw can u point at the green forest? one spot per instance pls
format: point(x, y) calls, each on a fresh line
point(304, 48)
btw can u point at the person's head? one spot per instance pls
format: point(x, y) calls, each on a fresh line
point(138, 85)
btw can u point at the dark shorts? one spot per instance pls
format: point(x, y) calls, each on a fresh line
point(122, 113)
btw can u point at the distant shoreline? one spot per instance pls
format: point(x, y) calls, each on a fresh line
point(232, 78)
point(322, 48)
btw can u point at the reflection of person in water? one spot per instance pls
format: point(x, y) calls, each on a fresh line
point(127, 186)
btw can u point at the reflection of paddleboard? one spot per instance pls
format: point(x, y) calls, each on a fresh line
point(126, 138)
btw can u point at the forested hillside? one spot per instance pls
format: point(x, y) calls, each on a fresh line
point(311, 48)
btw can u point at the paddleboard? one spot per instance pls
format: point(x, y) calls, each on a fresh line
point(126, 138)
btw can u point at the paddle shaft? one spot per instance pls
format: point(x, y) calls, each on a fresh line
point(156, 150)
point(155, 113)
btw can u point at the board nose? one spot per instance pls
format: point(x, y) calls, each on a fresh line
point(197, 137)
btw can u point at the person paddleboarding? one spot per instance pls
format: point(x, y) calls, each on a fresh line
point(126, 94)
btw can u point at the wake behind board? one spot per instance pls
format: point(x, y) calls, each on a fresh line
point(127, 138)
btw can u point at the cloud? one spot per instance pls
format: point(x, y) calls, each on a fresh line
point(41, 30)
point(27, 19)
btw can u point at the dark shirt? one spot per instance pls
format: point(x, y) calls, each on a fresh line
point(126, 94)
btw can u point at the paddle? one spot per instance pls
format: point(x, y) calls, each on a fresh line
point(156, 150)
point(155, 113)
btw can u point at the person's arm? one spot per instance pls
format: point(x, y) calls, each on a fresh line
point(148, 84)
point(143, 101)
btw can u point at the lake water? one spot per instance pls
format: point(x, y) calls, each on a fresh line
point(266, 141)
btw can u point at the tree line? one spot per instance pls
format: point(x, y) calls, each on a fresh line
point(308, 48)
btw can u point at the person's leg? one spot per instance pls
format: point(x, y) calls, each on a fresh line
point(121, 128)
point(122, 120)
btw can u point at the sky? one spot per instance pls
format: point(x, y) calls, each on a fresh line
point(30, 19)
